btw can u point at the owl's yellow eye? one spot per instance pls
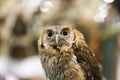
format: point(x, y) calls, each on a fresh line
point(50, 33)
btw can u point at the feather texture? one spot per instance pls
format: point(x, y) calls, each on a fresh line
point(68, 59)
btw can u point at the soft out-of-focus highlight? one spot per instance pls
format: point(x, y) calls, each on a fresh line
point(22, 21)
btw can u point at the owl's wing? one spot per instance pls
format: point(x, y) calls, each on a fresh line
point(88, 63)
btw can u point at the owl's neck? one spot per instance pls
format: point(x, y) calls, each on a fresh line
point(62, 67)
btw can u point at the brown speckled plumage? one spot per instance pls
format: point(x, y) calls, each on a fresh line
point(65, 55)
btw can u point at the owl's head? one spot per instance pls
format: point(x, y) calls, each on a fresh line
point(59, 36)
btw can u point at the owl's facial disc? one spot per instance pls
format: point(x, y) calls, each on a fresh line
point(58, 38)
point(53, 39)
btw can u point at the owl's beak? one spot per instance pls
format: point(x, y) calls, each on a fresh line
point(56, 39)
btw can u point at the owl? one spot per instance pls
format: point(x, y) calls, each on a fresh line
point(65, 55)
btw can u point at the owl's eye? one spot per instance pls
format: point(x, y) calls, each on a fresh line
point(50, 33)
point(64, 32)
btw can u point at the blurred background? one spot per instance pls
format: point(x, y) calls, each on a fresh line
point(21, 23)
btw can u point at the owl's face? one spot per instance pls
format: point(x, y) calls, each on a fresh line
point(57, 36)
